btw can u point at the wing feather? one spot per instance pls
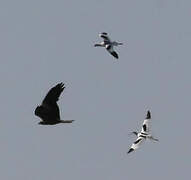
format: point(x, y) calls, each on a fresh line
point(111, 51)
point(136, 144)
point(146, 123)
point(105, 36)
point(53, 95)
point(49, 110)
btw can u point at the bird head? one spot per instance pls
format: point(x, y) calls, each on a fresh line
point(148, 115)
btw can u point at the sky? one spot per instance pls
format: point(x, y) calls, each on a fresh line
point(44, 42)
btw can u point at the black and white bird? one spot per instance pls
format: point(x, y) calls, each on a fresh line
point(143, 135)
point(49, 111)
point(108, 44)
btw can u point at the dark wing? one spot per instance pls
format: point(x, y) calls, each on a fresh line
point(111, 51)
point(53, 95)
point(136, 144)
point(50, 101)
point(105, 37)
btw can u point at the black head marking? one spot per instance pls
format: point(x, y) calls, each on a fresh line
point(148, 115)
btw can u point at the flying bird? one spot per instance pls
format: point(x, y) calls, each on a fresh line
point(143, 135)
point(49, 111)
point(108, 44)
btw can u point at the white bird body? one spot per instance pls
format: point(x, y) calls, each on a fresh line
point(143, 135)
point(108, 44)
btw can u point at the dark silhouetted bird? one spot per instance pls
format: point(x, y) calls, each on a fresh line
point(48, 111)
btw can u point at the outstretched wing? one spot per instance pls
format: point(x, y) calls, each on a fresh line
point(105, 36)
point(50, 101)
point(136, 144)
point(145, 126)
point(53, 95)
point(111, 51)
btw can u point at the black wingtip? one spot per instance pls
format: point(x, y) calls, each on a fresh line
point(104, 33)
point(60, 85)
point(130, 150)
point(115, 54)
point(148, 115)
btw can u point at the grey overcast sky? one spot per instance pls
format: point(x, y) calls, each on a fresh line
point(44, 42)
